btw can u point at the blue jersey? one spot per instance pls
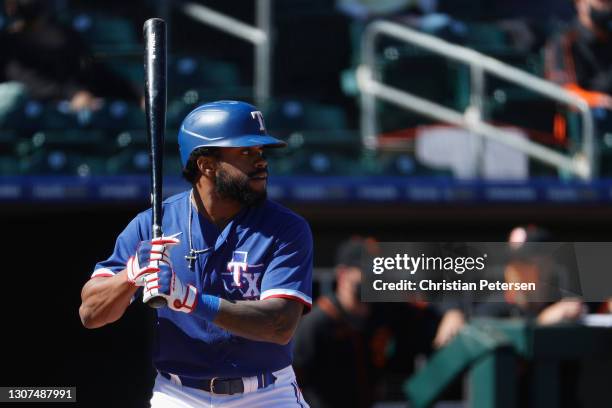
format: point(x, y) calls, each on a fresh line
point(264, 252)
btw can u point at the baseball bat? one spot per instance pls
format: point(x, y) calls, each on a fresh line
point(155, 108)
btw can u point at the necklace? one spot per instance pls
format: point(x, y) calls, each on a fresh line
point(193, 253)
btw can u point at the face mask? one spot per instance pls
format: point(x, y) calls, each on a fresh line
point(602, 19)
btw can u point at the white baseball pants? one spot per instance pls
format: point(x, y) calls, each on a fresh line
point(283, 393)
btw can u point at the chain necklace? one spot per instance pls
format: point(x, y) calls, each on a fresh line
point(193, 253)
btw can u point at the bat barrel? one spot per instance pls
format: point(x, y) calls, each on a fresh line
point(155, 107)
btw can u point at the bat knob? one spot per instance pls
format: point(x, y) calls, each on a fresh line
point(157, 302)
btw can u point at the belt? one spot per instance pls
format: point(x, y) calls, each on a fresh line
point(224, 386)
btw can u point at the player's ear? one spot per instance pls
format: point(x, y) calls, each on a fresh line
point(207, 165)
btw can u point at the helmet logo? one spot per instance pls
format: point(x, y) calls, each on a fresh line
point(259, 116)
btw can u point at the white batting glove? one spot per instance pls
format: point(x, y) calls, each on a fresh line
point(165, 283)
point(149, 255)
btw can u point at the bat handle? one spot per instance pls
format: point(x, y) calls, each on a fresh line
point(157, 301)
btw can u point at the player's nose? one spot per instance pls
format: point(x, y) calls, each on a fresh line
point(260, 162)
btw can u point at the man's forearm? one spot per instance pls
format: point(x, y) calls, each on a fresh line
point(271, 320)
point(104, 300)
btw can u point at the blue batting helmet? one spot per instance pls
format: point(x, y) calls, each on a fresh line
point(223, 124)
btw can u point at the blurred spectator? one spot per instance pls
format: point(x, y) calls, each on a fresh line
point(351, 354)
point(44, 60)
point(452, 322)
point(525, 266)
point(580, 58)
point(522, 267)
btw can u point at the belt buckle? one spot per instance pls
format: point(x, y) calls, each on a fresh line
point(212, 385)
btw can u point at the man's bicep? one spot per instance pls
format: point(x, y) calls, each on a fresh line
point(287, 311)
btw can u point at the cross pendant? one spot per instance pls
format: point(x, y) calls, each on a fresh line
point(190, 258)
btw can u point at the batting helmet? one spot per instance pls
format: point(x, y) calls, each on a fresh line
point(223, 124)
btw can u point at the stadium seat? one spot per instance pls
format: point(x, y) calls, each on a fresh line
point(130, 153)
point(318, 152)
point(118, 114)
point(522, 108)
point(106, 33)
point(322, 163)
point(512, 104)
point(133, 160)
point(286, 116)
point(34, 115)
point(405, 164)
point(186, 72)
point(423, 74)
point(61, 162)
point(307, 60)
point(63, 152)
point(129, 68)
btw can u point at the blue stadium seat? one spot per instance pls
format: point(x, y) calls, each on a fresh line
point(130, 153)
point(318, 153)
point(189, 72)
point(117, 114)
point(34, 115)
point(63, 152)
point(286, 116)
point(133, 160)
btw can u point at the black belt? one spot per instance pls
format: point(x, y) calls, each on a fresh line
point(225, 386)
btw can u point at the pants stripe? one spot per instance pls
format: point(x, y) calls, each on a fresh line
point(297, 394)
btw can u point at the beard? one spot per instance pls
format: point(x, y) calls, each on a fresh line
point(238, 188)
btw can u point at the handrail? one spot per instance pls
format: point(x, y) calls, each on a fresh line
point(582, 163)
point(259, 36)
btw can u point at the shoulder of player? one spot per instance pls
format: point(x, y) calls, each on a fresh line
point(274, 212)
point(168, 204)
point(176, 199)
point(283, 223)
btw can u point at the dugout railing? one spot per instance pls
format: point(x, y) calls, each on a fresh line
point(582, 163)
point(513, 363)
point(258, 35)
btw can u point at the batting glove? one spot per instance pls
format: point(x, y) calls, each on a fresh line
point(149, 255)
point(165, 283)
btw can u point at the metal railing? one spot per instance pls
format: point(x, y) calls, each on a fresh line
point(582, 164)
point(258, 35)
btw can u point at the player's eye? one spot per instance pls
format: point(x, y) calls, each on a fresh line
point(254, 152)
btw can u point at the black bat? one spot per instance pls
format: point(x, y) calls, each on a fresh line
point(155, 107)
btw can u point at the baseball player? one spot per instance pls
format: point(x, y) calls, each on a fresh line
point(235, 269)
